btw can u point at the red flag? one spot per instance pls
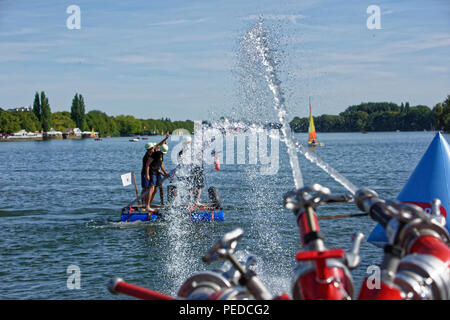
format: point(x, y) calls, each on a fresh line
point(216, 162)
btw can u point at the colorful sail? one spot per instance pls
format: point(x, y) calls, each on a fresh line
point(429, 180)
point(312, 136)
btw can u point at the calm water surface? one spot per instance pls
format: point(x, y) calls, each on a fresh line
point(60, 200)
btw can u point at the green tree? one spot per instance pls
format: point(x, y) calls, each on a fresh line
point(104, 125)
point(37, 106)
point(77, 112)
point(8, 122)
point(407, 107)
point(46, 120)
point(74, 110)
point(299, 124)
point(27, 120)
point(438, 110)
point(379, 116)
point(128, 125)
point(62, 121)
point(444, 115)
point(82, 115)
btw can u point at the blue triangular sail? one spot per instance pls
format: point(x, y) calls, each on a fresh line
point(430, 179)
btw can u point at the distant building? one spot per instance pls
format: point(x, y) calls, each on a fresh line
point(28, 108)
point(20, 133)
point(77, 132)
point(23, 135)
point(53, 133)
point(70, 133)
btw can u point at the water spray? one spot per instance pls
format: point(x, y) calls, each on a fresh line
point(260, 39)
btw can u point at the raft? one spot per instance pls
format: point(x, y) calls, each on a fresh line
point(207, 214)
point(131, 214)
point(202, 214)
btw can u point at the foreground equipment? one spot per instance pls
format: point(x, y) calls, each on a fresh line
point(416, 259)
point(429, 180)
point(321, 273)
point(238, 282)
point(415, 262)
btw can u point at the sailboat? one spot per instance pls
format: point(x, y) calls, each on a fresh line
point(92, 135)
point(312, 136)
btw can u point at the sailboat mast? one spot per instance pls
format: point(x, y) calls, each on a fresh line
point(310, 112)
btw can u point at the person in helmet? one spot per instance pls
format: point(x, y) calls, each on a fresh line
point(196, 178)
point(144, 182)
point(145, 172)
point(164, 149)
point(153, 174)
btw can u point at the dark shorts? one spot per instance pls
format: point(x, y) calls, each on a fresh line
point(155, 180)
point(145, 184)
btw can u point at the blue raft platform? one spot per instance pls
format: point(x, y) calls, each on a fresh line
point(205, 214)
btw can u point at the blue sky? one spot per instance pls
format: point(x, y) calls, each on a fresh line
point(176, 59)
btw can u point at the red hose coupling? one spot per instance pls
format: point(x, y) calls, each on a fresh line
point(384, 292)
point(118, 285)
point(319, 258)
point(432, 246)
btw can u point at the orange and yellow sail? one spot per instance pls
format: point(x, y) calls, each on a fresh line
point(312, 136)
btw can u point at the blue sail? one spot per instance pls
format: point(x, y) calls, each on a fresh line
point(430, 179)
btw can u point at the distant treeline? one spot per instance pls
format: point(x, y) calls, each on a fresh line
point(42, 119)
point(381, 116)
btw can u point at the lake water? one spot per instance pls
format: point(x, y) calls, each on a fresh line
point(60, 200)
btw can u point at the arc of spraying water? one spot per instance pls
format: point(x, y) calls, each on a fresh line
point(261, 43)
point(262, 47)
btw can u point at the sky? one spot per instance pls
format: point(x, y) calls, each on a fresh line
point(177, 59)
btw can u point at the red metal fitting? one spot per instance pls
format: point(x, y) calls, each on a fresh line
point(117, 285)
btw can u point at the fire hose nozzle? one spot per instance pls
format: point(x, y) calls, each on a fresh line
point(364, 198)
point(352, 258)
point(436, 214)
point(224, 247)
point(112, 284)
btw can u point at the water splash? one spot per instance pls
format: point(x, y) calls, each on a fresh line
point(259, 38)
point(314, 158)
point(179, 255)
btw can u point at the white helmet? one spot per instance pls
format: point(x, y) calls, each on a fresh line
point(187, 139)
point(150, 145)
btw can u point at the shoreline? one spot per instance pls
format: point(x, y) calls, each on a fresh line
point(40, 138)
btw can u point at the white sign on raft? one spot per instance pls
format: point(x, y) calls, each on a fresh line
point(126, 179)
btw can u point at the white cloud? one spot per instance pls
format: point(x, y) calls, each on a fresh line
point(279, 17)
point(70, 60)
point(439, 69)
point(141, 59)
point(179, 21)
point(20, 32)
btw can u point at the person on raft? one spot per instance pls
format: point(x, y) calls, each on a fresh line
point(144, 181)
point(155, 164)
point(149, 180)
point(196, 177)
point(164, 149)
